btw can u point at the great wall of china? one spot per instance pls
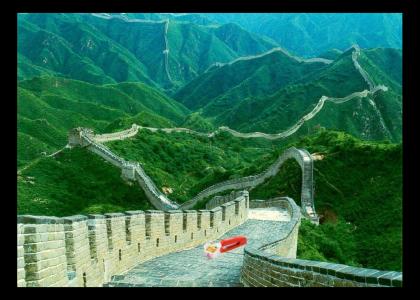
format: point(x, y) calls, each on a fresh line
point(166, 50)
point(373, 89)
point(108, 250)
point(133, 171)
point(111, 250)
point(277, 49)
point(124, 18)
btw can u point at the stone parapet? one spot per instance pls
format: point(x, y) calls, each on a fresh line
point(83, 251)
point(275, 264)
point(261, 269)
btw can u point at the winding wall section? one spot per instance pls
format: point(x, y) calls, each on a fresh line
point(276, 49)
point(134, 171)
point(373, 89)
point(125, 18)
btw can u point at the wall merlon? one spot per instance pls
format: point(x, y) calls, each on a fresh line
point(114, 215)
point(75, 219)
point(135, 212)
point(204, 217)
point(155, 223)
point(190, 217)
point(216, 209)
point(96, 216)
point(30, 219)
point(174, 222)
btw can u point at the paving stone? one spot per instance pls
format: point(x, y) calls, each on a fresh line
point(192, 268)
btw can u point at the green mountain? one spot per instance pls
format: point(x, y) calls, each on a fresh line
point(49, 106)
point(90, 47)
point(178, 17)
point(310, 34)
point(273, 92)
point(77, 181)
point(332, 54)
point(69, 46)
point(360, 227)
point(222, 87)
point(187, 164)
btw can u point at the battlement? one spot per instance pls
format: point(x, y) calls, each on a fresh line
point(133, 171)
point(87, 250)
point(219, 200)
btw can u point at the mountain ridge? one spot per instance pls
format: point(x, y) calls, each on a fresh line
point(109, 57)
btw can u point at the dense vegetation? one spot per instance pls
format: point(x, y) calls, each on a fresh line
point(255, 95)
point(358, 193)
point(48, 107)
point(309, 34)
point(76, 182)
point(188, 164)
point(360, 227)
point(223, 87)
point(92, 49)
point(79, 70)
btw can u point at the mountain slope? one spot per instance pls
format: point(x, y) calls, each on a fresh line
point(187, 164)
point(221, 87)
point(376, 116)
point(65, 44)
point(310, 34)
point(90, 47)
point(75, 181)
point(277, 112)
point(358, 194)
point(49, 106)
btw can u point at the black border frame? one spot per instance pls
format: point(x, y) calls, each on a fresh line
point(409, 8)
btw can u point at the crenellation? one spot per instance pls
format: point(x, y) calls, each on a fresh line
point(216, 220)
point(20, 256)
point(155, 223)
point(74, 251)
point(229, 214)
point(116, 230)
point(133, 171)
point(78, 251)
point(204, 217)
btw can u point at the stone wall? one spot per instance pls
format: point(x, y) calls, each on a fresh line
point(219, 200)
point(20, 259)
point(263, 269)
point(120, 135)
point(134, 171)
point(275, 264)
point(305, 161)
point(80, 251)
